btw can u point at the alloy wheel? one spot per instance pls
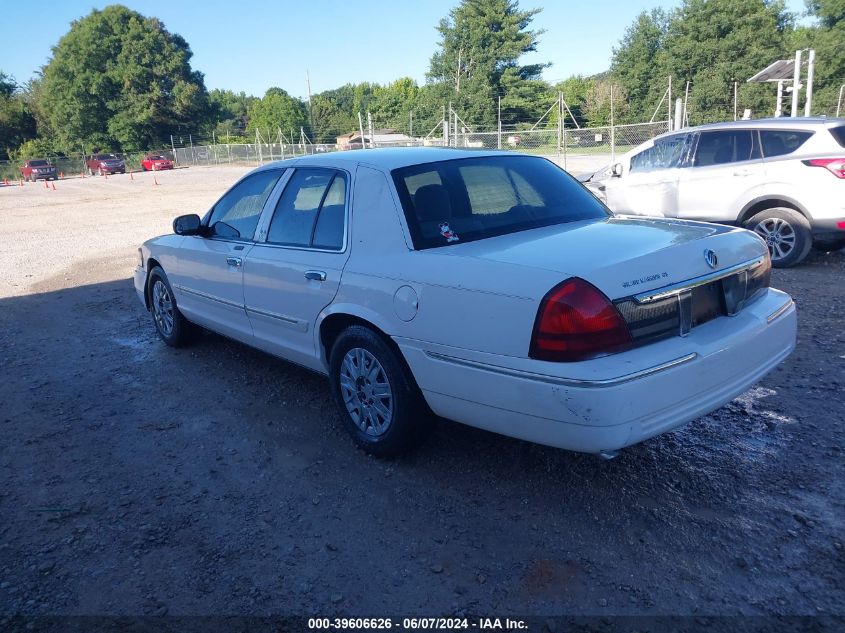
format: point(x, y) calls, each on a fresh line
point(366, 392)
point(778, 235)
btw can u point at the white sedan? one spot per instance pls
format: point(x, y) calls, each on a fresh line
point(489, 288)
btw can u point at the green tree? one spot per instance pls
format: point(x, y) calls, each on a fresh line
point(120, 79)
point(16, 121)
point(827, 37)
point(480, 46)
point(228, 111)
point(275, 111)
point(635, 62)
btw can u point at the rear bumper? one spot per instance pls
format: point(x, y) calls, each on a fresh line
point(612, 402)
point(49, 176)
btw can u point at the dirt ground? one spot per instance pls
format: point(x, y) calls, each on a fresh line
point(138, 479)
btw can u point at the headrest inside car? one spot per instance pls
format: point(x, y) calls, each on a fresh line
point(431, 203)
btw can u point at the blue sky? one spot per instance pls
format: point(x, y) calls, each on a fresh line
point(254, 45)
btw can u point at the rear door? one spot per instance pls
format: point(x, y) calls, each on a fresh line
point(294, 271)
point(648, 185)
point(208, 280)
point(725, 173)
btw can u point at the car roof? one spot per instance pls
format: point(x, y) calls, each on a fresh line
point(387, 158)
point(791, 123)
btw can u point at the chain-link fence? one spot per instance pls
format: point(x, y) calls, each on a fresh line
point(573, 148)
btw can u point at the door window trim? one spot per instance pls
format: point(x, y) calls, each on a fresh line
point(284, 175)
point(263, 228)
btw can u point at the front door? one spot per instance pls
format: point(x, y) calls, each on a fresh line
point(726, 172)
point(208, 280)
point(294, 271)
point(649, 182)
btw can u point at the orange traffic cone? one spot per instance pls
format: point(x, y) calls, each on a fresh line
point(21, 182)
point(5, 181)
point(155, 181)
point(62, 175)
point(82, 173)
point(131, 177)
point(46, 185)
point(52, 184)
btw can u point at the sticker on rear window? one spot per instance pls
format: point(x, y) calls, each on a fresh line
point(447, 232)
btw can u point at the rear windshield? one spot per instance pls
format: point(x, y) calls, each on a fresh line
point(157, 158)
point(839, 134)
point(38, 163)
point(468, 199)
point(781, 142)
point(105, 156)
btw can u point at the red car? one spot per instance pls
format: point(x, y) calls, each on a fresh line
point(104, 164)
point(156, 162)
point(40, 168)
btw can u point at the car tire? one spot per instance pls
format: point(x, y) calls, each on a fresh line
point(376, 394)
point(786, 233)
point(829, 246)
point(173, 328)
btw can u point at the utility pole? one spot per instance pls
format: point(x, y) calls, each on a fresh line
point(796, 83)
point(612, 129)
point(685, 118)
point(458, 71)
point(811, 67)
point(559, 123)
point(735, 98)
point(499, 119)
point(310, 109)
point(411, 124)
point(669, 101)
point(778, 105)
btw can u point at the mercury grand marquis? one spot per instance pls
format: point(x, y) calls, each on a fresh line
point(490, 288)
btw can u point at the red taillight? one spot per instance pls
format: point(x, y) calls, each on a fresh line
point(575, 322)
point(836, 166)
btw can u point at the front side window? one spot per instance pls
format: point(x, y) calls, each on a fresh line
point(781, 142)
point(236, 214)
point(725, 146)
point(462, 200)
point(311, 212)
point(664, 154)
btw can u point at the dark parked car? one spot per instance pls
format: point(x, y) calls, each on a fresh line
point(39, 168)
point(103, 164)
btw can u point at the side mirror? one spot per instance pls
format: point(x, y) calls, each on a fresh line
point(616, 170)
point(187, 224)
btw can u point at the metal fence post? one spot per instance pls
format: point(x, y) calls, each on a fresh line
point(559, 123)
point(499, 125)
point(612, 129)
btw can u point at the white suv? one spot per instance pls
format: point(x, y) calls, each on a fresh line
point(782, 178)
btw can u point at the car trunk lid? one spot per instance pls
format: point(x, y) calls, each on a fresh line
point(623, 256)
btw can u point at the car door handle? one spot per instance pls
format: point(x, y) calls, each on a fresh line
point(234, 261)
point(316, 275)
point(742, 172)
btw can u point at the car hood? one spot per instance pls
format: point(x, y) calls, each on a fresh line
point(620, 255)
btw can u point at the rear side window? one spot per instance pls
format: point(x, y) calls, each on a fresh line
point(781, 142)
point(725, 146)
point(839, 134)
point(468, 199)
point(311, 212)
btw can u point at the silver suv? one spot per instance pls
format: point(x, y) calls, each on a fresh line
point(782, 178)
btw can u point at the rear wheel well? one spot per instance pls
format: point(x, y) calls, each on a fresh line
point(334, 324)
point(770, 203)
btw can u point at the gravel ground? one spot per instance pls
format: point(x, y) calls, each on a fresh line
point(138, 479)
